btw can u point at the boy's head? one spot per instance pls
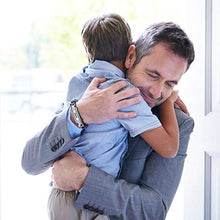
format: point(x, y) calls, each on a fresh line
point(107, 38)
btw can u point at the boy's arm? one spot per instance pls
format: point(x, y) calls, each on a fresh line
point(165, 139)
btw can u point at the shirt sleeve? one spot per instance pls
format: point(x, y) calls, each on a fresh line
point(74, 131)
point(145, 119)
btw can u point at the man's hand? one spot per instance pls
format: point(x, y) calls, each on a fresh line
point(101, 105)
point(70, 172)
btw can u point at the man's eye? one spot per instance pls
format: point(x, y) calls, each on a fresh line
point(153, 76)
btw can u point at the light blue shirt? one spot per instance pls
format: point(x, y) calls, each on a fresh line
point(104, 145)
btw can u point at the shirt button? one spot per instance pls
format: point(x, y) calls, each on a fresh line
point(96, 210)
point(86, 206)
point(91, 208)
point(101, 212)
point(53, 148)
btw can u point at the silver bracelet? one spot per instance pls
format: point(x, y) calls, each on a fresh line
point(76, 115)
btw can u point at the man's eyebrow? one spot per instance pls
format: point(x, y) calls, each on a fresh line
point(174, 82)
point(158, 74)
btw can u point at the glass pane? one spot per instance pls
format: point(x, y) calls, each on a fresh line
point(40, 50)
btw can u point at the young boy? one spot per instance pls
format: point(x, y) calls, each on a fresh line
point(107, 40)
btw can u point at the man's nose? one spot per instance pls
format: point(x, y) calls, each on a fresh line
point(156, 91)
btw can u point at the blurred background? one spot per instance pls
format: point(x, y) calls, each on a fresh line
point(40, 50)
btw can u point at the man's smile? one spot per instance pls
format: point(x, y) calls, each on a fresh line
point(150, 101)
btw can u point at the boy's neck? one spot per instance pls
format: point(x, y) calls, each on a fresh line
point(119, 64)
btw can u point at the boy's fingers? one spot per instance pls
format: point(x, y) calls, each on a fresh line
point(182, 106)
point(184, 109)
point(176, 106)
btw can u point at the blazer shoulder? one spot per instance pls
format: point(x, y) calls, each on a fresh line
point(185, 122)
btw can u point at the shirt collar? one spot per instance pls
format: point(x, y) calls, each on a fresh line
point(101, 66)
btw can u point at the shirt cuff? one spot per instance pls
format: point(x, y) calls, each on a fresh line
point(74, 131)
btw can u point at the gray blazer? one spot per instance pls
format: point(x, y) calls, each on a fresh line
point(147, 182)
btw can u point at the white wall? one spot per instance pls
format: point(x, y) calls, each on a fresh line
point(193, 93)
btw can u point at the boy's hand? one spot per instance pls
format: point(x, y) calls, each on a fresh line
point(101, 105)
point(180, 105)
point(174, 96)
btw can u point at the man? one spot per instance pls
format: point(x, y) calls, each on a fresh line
point(162, 54)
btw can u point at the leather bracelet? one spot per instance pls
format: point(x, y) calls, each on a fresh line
point(76, 115)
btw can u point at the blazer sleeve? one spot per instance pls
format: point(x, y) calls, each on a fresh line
point(48, 145)
point(119, 199)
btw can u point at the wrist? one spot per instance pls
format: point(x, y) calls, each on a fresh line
point(72, 118)
point(167, 105)
point(84, 171)
point(75, 115)
point(167, 102)
point(82, 113)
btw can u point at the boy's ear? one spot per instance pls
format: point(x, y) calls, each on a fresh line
point(131, 57)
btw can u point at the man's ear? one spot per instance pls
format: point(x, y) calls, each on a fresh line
point(131, 57)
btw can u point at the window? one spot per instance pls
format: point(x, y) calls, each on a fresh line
point(40, 49)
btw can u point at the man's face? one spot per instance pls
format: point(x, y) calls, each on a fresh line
point(156, 74)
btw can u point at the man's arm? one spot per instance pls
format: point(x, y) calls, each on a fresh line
point(53, 141)
point(101, 105)
point(44, 148)
point(150, 199)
